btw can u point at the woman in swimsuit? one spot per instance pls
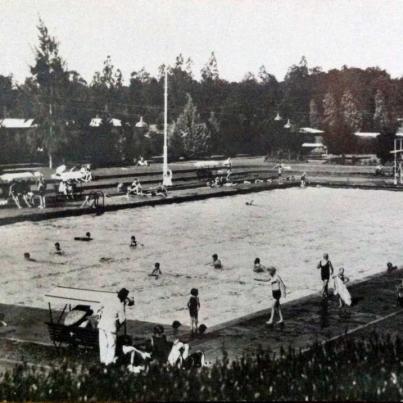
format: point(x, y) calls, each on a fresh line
point(278, 290)
point(343, 294)
point(326, 269)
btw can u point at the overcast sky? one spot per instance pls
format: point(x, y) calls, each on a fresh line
point(244, 34)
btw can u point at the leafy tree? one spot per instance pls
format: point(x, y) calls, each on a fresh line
point(7, 95)
point(265, 77)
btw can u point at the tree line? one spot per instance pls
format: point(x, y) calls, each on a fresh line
point(207, 116)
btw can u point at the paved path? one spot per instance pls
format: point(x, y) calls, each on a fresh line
point(310, 319)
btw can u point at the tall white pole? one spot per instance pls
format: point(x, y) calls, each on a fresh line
point(166, 175)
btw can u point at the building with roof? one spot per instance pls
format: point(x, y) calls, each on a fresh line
point(16, 124)
point(312, 145)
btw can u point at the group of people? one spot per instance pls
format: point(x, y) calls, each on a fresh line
point(137, 190)
point(113, 349)
point(327, 272)
point(67, 188)
point(221, 180)
point(21, 192)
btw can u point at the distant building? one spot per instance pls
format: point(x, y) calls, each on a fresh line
point(14, 146)
point(312, 146)
point(16, 124)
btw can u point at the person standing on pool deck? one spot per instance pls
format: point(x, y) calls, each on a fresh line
point(278, 290)
point(326, 269)
point(112, 317)
point(194, 306)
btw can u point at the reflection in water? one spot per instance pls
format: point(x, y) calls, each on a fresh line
point(290, 229)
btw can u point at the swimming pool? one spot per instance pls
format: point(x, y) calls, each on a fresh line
point(360, 229)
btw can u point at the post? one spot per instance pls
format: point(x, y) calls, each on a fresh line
point(166, 176)
point(50, 136)
point(395, 162)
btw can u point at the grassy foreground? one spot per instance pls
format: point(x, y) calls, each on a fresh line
point(351, 369)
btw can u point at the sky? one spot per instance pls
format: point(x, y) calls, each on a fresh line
point(244, 34)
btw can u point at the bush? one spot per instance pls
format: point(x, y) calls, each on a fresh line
point(352, 369)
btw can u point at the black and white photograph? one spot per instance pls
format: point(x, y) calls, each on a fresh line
point(201, 200)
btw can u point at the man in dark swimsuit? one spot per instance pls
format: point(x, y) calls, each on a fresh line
point(326, 269)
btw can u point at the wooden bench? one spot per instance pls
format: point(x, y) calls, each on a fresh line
point(73, 336)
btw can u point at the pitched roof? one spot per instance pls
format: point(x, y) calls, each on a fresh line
point(313, 145)
point(370, 135)
point(310, 130)
point(12, 123)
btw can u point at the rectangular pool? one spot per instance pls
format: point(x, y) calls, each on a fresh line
point(290, 229)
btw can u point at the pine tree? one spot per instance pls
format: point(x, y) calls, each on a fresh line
point(352, 117)
point(210, 70)
point(330, 111)
point(48, 87)
point(188, 67)
point(314, 116)
point(381, 115)
point(195, 134)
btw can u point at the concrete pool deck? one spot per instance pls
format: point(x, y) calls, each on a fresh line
point(307, 320)
point(13, 215)
point(10, 216)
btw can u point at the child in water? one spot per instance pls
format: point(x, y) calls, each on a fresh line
point(194, 307)
point(258, 267)
point(58, 249)
point(133, 242)
point(157, 271)
point(27, 256)
point(216, 262)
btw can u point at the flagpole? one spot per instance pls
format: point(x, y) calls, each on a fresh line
point(166, 174)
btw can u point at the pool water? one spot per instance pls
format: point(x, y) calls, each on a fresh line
point(290, 229)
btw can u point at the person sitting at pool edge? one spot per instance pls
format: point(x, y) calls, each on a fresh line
point(258, 267)
point(156, 271)
point(217, 262)
point(390, 268)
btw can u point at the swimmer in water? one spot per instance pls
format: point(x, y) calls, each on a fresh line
point(156, 272)
point(249, 203)
point(58, 249)
point(133, 242)
point(86, 238)
point(216, 262)
point(27, 256)
point(258, 267)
